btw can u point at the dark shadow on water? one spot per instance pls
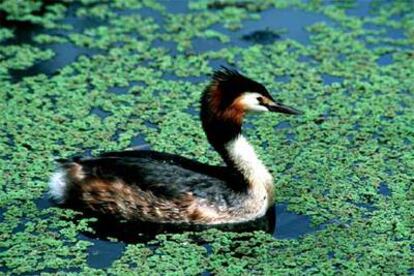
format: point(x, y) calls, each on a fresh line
point(278, 221)
point(201, 44)
point(266, 36)
point(281, 19)
point(274, 24)
point(44, 202)
point(22, 31)
point(137, 232)
point(110, 236)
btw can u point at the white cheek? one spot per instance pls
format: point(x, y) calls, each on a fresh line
point(257, 108)
point(250, 103)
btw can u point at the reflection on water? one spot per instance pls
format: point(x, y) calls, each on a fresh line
point(134, 232)
point(278, 221)
point(111, 236)
point(266, 36)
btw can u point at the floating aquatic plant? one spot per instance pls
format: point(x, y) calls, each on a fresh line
point(329, 164)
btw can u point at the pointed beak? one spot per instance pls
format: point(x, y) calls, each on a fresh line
point(281, 108)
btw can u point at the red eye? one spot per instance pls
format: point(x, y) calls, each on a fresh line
point(261, 100)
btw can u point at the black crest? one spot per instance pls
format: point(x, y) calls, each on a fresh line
point(227, 74)
point(232, 84)
point(231, 81)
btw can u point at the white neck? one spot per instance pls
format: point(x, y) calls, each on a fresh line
point(243, 156)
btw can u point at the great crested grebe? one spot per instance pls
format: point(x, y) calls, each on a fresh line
point(149, 186)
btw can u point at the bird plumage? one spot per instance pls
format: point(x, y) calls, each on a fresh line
point(164, 188)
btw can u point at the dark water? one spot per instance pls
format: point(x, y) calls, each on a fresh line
point(138, 142)
point(290, 225)
point(384, 189)
point(262, 31)
point(385, 59)
point(100, 112)
point(180, 6)
point(121, 90)
point(283, 125)
point(65, 53)
point(329, 79)
point(253, 31)
point(103, 252)
point(279, 222)
point(360, 9)
point(284, 79)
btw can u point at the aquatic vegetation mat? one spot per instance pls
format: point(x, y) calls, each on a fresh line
point(89, 76)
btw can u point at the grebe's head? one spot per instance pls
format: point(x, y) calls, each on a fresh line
point(230, 95)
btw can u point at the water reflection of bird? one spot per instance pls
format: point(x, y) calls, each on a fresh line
point(158, 187)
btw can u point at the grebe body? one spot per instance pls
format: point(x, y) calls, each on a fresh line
point(149, 186)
